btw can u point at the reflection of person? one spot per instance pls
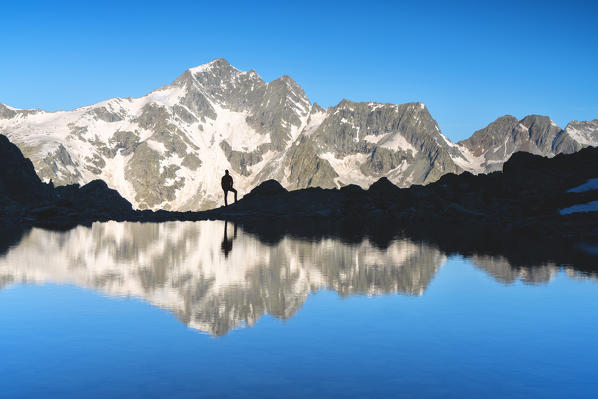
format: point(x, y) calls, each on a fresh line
point(227, 185)
point(227, 245)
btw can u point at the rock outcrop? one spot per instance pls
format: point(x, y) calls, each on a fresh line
point(24, 198)
point(18, 181)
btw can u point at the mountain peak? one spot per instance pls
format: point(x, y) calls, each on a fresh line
point(505, 118)
point(317, 107)
point(287, 81)
point(215, 64)
point(531, 120)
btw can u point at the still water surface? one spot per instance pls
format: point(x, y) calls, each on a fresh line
point(206, 310)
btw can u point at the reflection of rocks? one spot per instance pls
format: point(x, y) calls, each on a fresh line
point(503, 271)
point(581, 275)
point(181, 267)
point(371, 271)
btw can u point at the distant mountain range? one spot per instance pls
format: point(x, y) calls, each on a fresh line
point(169, 148)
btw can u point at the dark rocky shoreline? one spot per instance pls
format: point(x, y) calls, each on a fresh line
point(514, 213)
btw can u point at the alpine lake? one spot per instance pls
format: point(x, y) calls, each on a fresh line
point(207, 309)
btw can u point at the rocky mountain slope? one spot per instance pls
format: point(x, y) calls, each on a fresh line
point(168, 149)
point(536, 134)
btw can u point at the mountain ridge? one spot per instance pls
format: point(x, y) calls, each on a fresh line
point(167, 149)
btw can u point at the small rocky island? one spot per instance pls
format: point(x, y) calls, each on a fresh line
point(535, 201)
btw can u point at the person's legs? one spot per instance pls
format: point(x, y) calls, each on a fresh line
point(234, 191)
point(225, 197)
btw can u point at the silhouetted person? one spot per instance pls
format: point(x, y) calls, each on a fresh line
point(227, 185)
point(227, 245)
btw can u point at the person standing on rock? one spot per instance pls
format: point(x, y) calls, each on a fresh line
point(227, 185)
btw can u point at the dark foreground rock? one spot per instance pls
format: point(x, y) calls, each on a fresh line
point(515, 212)
point(19, 184)
point(525, 198)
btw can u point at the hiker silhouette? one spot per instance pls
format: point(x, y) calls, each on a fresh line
point(227, 244)
point(227, 185)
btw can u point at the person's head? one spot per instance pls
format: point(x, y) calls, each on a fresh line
point(226, 172)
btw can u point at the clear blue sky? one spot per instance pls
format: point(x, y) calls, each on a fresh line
point(468, 62)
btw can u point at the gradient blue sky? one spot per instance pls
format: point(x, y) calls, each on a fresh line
point(469, 62)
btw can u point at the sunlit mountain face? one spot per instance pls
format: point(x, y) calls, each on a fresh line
point(215, 277)
point(168, 149)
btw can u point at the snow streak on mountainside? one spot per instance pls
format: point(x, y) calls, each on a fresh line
point(169, 148)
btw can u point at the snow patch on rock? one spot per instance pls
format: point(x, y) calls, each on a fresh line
point(580, 208)
point(348, 169)
point(590, 185)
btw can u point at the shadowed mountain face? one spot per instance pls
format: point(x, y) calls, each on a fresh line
point(535, 134)
point(167, 150)
point(502, 138)
point(214, 276)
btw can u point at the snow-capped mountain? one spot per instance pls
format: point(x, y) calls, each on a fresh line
point(169, 148)
point(537, 134)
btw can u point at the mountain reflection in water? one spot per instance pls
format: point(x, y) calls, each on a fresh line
point(215, 277)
